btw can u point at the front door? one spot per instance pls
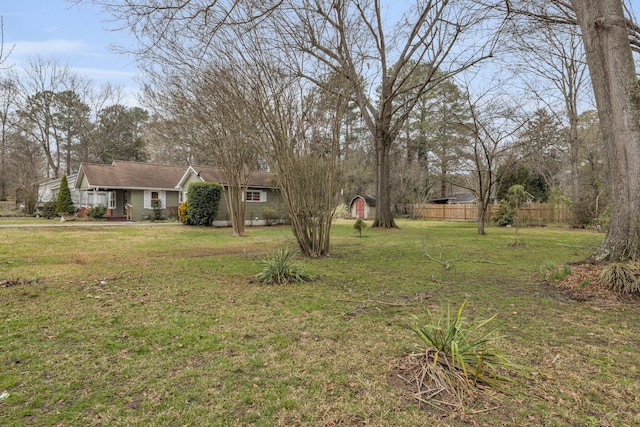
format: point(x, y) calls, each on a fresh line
point(360, 208)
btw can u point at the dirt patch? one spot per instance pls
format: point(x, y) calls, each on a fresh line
point(583, 285)
point(16, 282)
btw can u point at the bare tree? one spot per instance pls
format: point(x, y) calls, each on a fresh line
point(494, 125)
point(346, 37)
point(605, 32)
point(553, 66)
point(52, 110)
point(379, 60)
point(300, 138)
point(8, 92)
point(609, 37)
point(205, 100)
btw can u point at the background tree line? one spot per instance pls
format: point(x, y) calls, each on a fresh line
point(438, 96)
point(51, 120)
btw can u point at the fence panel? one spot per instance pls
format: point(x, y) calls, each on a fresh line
point(530, 214)
point(6, 205)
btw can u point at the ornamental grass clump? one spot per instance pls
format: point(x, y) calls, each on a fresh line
point(455, 360)
point(279, 268)
point(621, 277)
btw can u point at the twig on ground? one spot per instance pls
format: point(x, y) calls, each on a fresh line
point(445, 264)
point(486, 261)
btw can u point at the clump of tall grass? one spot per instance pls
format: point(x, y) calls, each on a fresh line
point(279, 268)
point(554, 273)
point(455, 360)
point(621, 277)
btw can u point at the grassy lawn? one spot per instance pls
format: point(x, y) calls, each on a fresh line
point(165, 325)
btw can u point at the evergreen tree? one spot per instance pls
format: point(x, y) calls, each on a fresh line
point(65, 203)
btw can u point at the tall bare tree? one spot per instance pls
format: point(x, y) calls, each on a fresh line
point(212, 103)
point(8, 93)
point(353, 38)
point(300, 138)
point(554, 68)
point(348, 37)
point(609, 37)
point(605, 32)
point(494, 125)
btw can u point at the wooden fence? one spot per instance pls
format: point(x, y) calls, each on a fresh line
point(6, 205)
point(530, 214)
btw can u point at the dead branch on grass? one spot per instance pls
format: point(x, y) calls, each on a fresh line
point(446, 264)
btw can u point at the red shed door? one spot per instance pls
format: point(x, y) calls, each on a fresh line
point(359, 208)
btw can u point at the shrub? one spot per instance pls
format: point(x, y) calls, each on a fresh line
point(156, 205)
point(505, 214)
point(621, 277)
point(280, 269)
point(341, 211)
point(269, 215)
point(97, 212)
point(554, 273)
point(602, 221)
point(359, 225)
point(183, 213)
point(64, 204)
point(49, 209)
point(454, 356)
point(203, 199)
point(583, 214)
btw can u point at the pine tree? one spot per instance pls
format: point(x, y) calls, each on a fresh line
point(65, 203)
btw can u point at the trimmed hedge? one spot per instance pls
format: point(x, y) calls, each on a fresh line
point(203, 199)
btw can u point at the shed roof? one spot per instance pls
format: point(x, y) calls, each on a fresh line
point(370, 200)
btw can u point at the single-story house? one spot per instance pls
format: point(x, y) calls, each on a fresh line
point(363, 206)
point(465, 198)
point(128, 189)
point(48, 190)
point(262, 193)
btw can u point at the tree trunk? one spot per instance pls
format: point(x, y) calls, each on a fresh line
point(573, 156)
point(236, 208)
point(615, 86)
point(383, 217)
point(482, 215)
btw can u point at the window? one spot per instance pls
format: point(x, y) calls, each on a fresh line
point(93, 198)
point(255, 196)
point(154, 195)
point(112, 199)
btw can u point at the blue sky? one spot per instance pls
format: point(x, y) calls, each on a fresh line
point(77, 36)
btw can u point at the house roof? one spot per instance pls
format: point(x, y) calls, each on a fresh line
point(138, 176)
point(55, 182)
point(130, 175)
point(455, 198)
point(258, 179)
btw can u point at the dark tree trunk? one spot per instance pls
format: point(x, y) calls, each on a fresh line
point(615, 85)
point(384, 216)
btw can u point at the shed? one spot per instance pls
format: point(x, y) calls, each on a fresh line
point(363, 206)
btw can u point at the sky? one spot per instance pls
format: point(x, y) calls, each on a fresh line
point(78, 36)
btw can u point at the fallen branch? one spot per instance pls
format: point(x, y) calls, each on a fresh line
point(375, 301)
point(445, 264)
point(486, 261)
